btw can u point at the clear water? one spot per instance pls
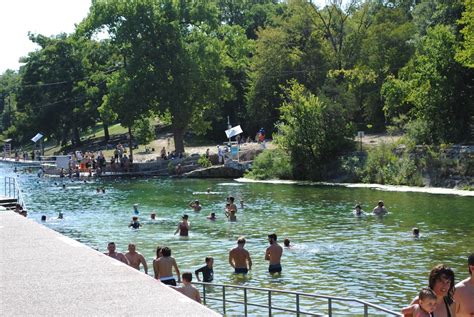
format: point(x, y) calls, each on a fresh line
point(371, 258)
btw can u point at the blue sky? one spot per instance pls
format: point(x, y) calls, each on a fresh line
point(47, 17)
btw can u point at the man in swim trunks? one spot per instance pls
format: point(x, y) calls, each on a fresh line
point(135, 258)
point(273, 254)
point(183, 227)
point(116, 255)
point(239, 258)
point(464, 294)
point(164, 266)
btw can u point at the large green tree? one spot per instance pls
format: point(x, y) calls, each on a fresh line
point(174, 60)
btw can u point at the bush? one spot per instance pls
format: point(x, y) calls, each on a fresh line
point(204, 161)
point(271, 164)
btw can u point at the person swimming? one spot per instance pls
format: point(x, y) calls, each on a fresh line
point(358, 211)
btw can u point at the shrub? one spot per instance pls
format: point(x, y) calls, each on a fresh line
point(271, 164)
point(204, 161)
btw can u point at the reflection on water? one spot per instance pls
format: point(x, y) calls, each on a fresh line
point(334, 253)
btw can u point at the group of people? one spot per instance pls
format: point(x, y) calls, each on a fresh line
point(442, 297)
point(164, 264)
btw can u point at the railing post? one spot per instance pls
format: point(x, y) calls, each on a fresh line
point(366, 310)
point(329, 307)
point(223, 298)
point(270, 303)
point(204, 294)
point(245, 301)
point(297, 305)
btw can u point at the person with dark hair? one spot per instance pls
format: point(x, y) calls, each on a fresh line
point(441, 281)
point(239, 258)
point(188, 289)
point(273, 254)
point(116, 255)
point(464, 294)
point(164, 267)
point(155, 261)
point(207, 270)
point(380, 209)
point(427, 304)
point(183, 227)
point(135, 224)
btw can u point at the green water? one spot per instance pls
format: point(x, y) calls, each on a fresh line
point(334, 253)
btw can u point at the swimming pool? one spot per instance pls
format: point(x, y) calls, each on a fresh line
point(334, 253)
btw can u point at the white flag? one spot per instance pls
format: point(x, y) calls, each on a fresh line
point(233, 131)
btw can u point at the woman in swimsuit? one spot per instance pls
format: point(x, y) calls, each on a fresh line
point(441, 281)
point(183, 227)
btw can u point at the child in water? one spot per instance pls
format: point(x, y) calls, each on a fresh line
point(426, 304)
point(134, 224)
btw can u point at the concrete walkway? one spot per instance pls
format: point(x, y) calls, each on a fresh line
point(43, 273)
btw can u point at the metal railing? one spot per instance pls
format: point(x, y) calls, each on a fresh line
point(298, 296)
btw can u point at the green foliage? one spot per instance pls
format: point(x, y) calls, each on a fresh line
point(312, 132)
point(465, 53)
point(204, 161)
point(271, 164)
point(385, 167)
point(433, 90)
point(144, 131)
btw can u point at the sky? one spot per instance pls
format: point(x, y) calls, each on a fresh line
point(46, 17)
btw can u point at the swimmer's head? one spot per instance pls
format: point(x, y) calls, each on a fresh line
point(187, 277)
point(241, 241)
point(158, 251)
point(416, 232)
point(166, 251)
point(470, 263)
point(427, 299)
point(286, 242)
point(272, 237)
point(209, 260)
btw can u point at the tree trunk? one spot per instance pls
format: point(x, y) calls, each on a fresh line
point(130, 143)
point(76, 136)
point(106, 132)
point(178, 136)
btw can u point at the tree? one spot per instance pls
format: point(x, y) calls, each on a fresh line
point(312, 131)
point(465, 53)
point(433, 90)
point(173, 59)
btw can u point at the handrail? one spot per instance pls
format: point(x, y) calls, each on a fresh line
point(298, 295)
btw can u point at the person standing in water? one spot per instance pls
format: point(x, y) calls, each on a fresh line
point(135, 258)
point(183, 227)
point(273, 254)
point(239, 258)
point(116, 255)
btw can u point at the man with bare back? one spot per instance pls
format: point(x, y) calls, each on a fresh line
point(164, 266)
point(273, 254)
point(239, 258)
point(464, 294)
point(135, 258)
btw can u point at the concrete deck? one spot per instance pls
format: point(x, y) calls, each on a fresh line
point(44, 273)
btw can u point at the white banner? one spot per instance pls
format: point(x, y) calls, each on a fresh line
point(233, 131)
point(37, 137)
